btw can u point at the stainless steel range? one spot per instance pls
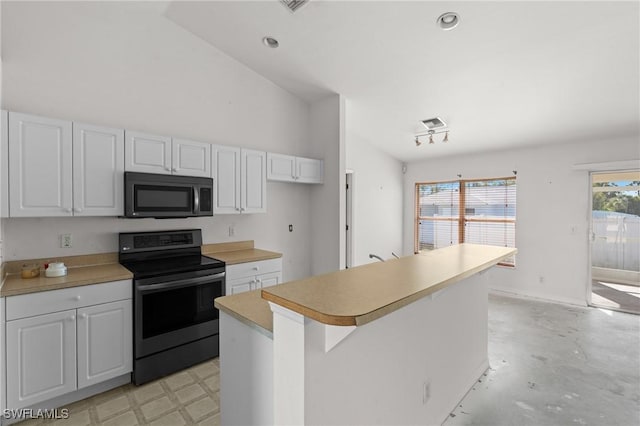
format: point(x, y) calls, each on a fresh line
point(174, 286)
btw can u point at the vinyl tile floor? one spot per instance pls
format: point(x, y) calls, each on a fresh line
point(189, 397)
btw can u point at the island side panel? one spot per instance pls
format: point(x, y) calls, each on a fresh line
point(246, 374)
point(377, 374)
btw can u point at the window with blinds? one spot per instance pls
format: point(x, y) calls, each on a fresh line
point(438, 215)
point(479, 211)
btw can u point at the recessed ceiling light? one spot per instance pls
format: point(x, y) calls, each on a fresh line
point(270, 42)
point(448, 21)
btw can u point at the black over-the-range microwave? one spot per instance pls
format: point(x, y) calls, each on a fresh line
point(167, 196)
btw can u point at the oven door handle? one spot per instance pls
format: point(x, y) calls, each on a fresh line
point(188, 282)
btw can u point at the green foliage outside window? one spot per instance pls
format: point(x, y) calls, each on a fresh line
point(616, 200)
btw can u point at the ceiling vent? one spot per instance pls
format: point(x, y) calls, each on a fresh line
point(434, 123)
point(294, 5)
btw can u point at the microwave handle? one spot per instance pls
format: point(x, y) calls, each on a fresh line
point(196, 199)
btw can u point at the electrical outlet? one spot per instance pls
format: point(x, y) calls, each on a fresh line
point(232, 231)
point(66, 241)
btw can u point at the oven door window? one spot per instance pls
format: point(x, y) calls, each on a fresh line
point(169, 310)
point(158, 198)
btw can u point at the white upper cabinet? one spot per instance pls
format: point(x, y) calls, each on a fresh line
point(161, 154)
point(287, 168)
point(309, 170)
point(239, 180)
point(191, 158)
point(62, 169)
point(147, 153)
point(281, 167)
point(40, 151)
point(226, 179)
point(98, 165)
point(253, 193)
point(4, 164)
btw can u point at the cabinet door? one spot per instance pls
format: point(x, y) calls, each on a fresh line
point(226, 179)
point(147, 153)
point(104, 342)
point(41, 358)
point(4, 164)
point(309, 170)
point(253, 193)
point(267, 280)
point(98, 163)
point(40, 174)
point(240, 285)
point(191, 158)
point(281, 167)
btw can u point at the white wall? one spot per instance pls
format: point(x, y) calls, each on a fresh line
point(123, 64)
point(326, 133)
point(377, 200)
point(552, 211)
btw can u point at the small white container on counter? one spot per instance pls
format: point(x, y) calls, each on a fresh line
point(56, 269)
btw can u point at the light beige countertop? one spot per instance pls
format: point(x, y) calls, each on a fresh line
point(360, 295)
point(76, 276)
point(248, 307)
point(238, 252)
point(104, 267)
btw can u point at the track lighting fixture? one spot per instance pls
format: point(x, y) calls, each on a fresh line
point(430, 133)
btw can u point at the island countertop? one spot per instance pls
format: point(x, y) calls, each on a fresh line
point(362, 294)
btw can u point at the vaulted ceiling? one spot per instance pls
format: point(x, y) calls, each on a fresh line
point(511, 74)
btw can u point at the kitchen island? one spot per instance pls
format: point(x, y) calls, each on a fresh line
point(398, 342)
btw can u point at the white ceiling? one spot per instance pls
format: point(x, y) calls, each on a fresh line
point(511, 74)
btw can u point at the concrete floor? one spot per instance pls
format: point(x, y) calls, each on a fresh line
point(554, 364)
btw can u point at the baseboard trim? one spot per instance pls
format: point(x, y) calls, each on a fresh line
point(559, 300)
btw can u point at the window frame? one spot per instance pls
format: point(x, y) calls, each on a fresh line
point(462, 214)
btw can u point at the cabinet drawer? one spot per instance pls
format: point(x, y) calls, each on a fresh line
point(253, 268)
point(27, 305)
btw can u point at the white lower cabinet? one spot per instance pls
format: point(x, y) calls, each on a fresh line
point(86, 340)
point(41, 358)
point(104, 342)
point(253, 275)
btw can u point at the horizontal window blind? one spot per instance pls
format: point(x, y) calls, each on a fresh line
point(438, 214)
point(479, 211)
